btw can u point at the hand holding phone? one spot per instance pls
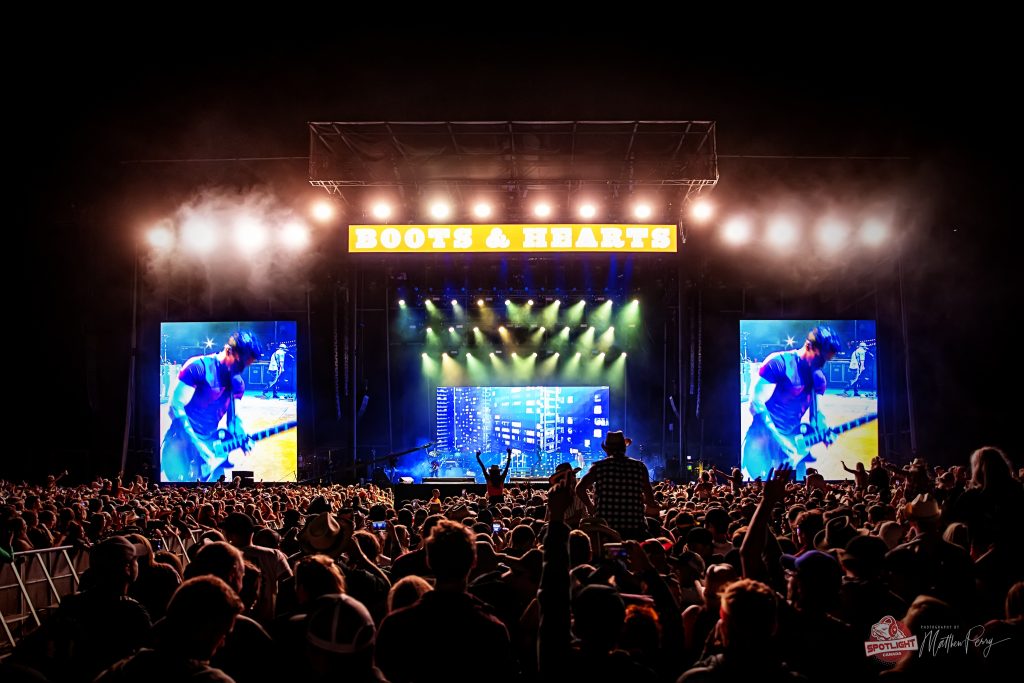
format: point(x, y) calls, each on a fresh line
point(615, 551)
point(380, 526)
point(496, 527)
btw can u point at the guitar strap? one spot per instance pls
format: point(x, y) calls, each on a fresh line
point(231, 407)
point(809, 386)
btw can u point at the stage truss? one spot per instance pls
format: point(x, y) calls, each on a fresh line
point(506, 161)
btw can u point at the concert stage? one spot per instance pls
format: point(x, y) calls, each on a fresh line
point(450, 488)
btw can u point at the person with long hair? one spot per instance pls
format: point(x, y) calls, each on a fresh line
point(495, 479)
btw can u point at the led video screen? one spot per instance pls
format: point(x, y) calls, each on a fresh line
point(808, 396)
point(228, 401)
point(543, 425)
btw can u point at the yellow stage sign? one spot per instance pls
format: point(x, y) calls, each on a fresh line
point(448, 239)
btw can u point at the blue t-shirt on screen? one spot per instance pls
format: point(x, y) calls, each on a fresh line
point(210, 402)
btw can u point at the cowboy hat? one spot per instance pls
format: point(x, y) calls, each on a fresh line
point(837, 533)
point(924, 506)
point(323, 534)
point(615, 441)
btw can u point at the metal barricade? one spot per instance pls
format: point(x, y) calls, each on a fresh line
point(36, 581)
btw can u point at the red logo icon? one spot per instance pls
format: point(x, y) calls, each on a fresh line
point(890, 641)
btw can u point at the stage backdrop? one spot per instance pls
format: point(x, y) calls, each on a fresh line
point(265, 404)
point(849, 404)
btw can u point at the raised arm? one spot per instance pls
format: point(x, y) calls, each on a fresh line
point(581, 491)
point(481, 463)
point(755, 540)
point(508, 463)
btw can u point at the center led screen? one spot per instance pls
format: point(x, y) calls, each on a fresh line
point(543, 425)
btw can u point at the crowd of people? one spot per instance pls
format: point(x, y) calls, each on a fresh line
point(605, 578)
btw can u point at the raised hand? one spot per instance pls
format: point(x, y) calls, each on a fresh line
point(775, 486)
point(559, 500)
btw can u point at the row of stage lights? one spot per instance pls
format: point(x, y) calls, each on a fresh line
point(249, 235)
point(553, 354)
point(785, 233)
point(508, 302)
point(441, 210)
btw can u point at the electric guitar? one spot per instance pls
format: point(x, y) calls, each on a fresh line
point(178, 464)
point(761, 452)
point(807, 436)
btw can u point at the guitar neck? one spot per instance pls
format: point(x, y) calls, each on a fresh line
point(815, 437)
point(233, 443)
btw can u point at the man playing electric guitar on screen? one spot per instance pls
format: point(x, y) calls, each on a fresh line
point(787, 388)
point(206, 392)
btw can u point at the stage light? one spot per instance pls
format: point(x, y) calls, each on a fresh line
point(199, 235)
point(476, 329)
point(588, 211)
point(831, 235)
point(480, 303)
point(160, 238)
point(782, 232)
point(874, 233)
point(565, 330)
point(440, 210)
point(702, 210)
point(455, 302)
point(530, 302)
point(736, 231)
point(444, 353)
point(322, 210)
point(542, 210)
point(556, 353)
point(533, 355)
point(401, 302)
point(543, 329)
point(491, 354)
point(623, 354)
point(515, 355)
point(557, 302)
point(381, 210)
point(508, 302)
point(482, 210)
point(250, 235)
point(451, 329)
point(578, 354)
point(583, 302)
point(295, 236)
point(642, 211)
point(635, 302)
point(611, 328)
point(424, 354)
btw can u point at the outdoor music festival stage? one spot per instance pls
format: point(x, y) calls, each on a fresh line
point(519, 290)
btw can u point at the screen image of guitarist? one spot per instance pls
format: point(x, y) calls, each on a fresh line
point(790, 386)
point(205, 435)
